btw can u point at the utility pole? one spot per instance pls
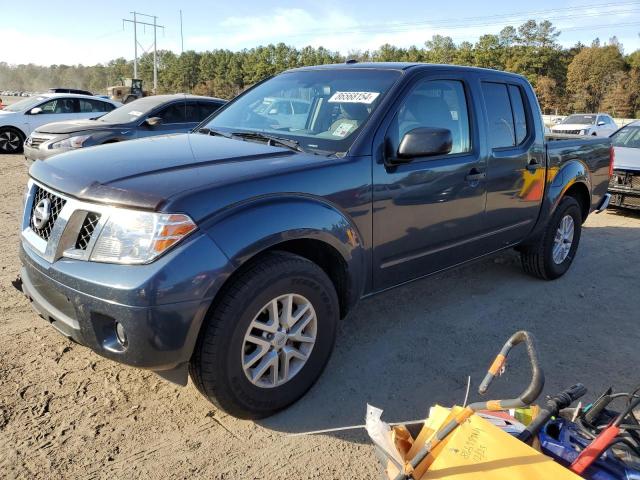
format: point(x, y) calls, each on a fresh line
point(181, 35)
point(155, 57)
point(155, 26)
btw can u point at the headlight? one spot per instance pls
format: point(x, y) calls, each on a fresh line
point(71, 142)
point(584, 131)
point(134, 237)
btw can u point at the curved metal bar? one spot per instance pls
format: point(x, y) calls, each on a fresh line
point(533, 390)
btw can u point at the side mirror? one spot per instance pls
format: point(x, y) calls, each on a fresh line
point(424, 142)
point(601, 124)
point(35, 111)
point(153, 121)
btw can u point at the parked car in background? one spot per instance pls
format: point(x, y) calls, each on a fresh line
point(625, 182)
point(596, 124)
point(287, 112)
point(17, 121)
point(233, 252)
point(69, 90)
point(145, 117)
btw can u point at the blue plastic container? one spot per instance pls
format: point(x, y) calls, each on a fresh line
point(562, 441)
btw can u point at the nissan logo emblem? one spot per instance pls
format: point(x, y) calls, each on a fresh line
point(41, 213)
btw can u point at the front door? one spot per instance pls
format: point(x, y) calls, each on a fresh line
point(59, 109)
point(429, 213)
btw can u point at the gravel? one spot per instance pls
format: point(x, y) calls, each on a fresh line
point(66, 412)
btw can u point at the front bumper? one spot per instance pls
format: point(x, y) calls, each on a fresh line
point(625, 198)
point(32, 154)
point(160, 305)
point(625, 189)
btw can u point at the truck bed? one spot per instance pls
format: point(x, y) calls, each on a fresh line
point(592, 152)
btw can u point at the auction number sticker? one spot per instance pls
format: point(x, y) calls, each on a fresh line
point(354, 97)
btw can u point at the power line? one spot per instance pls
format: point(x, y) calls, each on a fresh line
point(480, 21)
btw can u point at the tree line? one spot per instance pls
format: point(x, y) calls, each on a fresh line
point(598, 77)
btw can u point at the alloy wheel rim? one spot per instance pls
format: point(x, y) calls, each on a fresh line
point(563, 239)
point(279, 341)
point(9, 141)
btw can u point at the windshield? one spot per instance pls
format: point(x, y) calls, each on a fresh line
point(628, 137)
point(132, 111)
point(580, 120)
point(323, 110)
point(26, 104)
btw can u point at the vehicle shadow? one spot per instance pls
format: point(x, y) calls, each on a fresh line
point(410, 348)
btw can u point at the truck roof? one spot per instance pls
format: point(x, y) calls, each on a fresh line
point(401, 66)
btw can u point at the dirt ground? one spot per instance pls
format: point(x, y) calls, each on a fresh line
point(67, 413)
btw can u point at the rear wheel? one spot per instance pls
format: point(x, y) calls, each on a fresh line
point(552, 256)
point(11, 140)
point(268, 339)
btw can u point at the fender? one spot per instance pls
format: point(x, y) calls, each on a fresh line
point(269, 220)
point(559, 180)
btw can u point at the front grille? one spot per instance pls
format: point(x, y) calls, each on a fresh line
point(635, 181)
point(88, 226)
point(56, 204)
point(571, 132)
point(35, 142)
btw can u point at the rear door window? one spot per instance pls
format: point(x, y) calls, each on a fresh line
point(519, 115)
point(174, 113)
point(207, 108)
point(87, 105)
point(198, 111)
point(501, 128)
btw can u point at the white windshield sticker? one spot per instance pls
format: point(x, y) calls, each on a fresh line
point(354, 97)
point(135, 113)
point(343, 129)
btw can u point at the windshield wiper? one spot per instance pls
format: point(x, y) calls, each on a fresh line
point(208, 131)
point(271, 140)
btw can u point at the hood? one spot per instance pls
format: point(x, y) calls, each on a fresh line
point(73, 126)
point(627, 158)
point(570, 126)
point(145, 173)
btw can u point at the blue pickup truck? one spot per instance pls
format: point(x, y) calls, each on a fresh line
point(231, 253)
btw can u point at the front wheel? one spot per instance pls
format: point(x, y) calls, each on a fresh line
point(553, 254)
point(269, 337)
point(11, 141)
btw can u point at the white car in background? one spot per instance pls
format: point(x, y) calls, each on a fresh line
point(596, 124)
point(17, 121)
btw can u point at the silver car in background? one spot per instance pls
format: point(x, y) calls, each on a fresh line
point(625, 181)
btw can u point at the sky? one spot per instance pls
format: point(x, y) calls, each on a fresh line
point(90, 32)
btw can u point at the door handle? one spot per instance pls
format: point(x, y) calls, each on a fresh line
point(475, 175)
point(533, 165)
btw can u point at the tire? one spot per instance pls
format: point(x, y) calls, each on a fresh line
point(217, 366)
point(11, 140)
point(538, 259)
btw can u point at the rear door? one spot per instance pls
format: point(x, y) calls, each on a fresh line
point(429, 213)
point(516, 169)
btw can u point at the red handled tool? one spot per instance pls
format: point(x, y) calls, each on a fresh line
point(601, 442)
